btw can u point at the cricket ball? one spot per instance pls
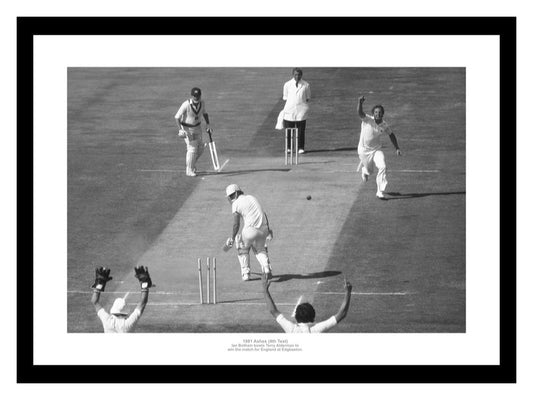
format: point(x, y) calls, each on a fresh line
point(308, 197)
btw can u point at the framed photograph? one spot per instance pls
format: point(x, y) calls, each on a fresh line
point(212, 186)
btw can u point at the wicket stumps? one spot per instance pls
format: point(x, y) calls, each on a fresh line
point(209, 287)
point(291, 145)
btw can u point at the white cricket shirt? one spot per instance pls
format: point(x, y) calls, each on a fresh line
point(250, 210)
point(113, 324)
point(291, 327)
point(296, 106)
point(369, 140)
point(191, 113)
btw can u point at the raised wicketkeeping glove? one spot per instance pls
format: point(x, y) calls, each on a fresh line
point(102, 277)
point(142, 274)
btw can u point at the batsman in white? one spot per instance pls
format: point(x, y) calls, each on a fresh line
point(255, 232)
point(369, 148)
point(117, 320)
point(189, 122)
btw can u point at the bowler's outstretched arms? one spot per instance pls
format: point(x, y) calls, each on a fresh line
point(360, 111)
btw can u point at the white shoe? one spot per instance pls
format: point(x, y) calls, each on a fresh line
point(380, 195)
point(301, 151)
point(246, 277)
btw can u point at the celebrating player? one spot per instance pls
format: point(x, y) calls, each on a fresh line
point(305, 313)
point(117, 320)
point(369, 148)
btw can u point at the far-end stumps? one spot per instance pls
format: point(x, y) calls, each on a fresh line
point(291, 145)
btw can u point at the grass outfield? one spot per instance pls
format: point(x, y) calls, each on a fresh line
point(129, 201)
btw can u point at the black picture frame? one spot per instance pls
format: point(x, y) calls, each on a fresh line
point(28, 372)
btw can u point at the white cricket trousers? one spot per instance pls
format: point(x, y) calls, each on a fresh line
point(195, 147)
point(254, 238)
point(371, 159)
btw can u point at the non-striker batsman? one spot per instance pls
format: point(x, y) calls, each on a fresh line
point(189, 118)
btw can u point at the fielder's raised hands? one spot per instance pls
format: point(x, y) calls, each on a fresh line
point(360, 111)
point(268, 298)
point(347, 286)
point(101, 278)
point(343, 309)
point(142, 274)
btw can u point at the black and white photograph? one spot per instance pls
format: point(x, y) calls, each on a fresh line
point(362, 184)
point(212, 194)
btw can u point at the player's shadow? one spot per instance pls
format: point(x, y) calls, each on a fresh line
point(328, 150)
point(312, 275)
point(315, 162)
point(400, 196)
point(244, 171)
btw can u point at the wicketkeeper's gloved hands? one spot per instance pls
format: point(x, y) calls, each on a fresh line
point(102, 277)
point(142, 274)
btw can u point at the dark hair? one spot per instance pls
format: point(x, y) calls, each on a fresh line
point(297, 70)
point(196, 91)
point(305, 313)
point(378, 106)
point(236, 194)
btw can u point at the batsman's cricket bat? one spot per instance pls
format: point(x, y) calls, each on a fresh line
point(213, 151)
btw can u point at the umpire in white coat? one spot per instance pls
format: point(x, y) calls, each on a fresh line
point(297, 94)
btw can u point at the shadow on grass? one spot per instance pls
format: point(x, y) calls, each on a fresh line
point(328, 150)
point(256, 276)
point(243, 171)
point(312, 275)
point(400, 196)
point(258, 299)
